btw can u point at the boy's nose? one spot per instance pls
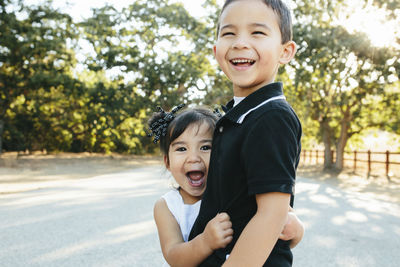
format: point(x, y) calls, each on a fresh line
point(240, 43)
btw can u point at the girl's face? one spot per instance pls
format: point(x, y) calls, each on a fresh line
point(189, 158)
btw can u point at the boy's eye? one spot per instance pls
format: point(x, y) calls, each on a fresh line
point(259, 32)
point(206, 147)
point(226, 33)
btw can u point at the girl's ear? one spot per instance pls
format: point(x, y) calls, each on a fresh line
point(215, 50)
point(166, 162)
point(288, 52)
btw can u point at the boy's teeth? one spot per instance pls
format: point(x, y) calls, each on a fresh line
point(238, 61)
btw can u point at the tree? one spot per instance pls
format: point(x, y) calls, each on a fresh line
point(34, 60)
point(142, 43)
point(340, 77)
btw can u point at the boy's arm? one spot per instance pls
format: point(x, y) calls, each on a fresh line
point(218, 233)
point(293, 230)
point(272, 211)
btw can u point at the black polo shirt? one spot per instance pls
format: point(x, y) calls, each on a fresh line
point(255, 150)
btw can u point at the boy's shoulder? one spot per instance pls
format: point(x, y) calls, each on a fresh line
point(274, 109)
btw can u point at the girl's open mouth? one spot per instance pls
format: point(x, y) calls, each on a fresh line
point(196, 178)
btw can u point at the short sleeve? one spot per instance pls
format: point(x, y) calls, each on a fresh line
point(271, 152)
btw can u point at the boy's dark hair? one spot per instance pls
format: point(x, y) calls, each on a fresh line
point(182, 121)
point(284, 16)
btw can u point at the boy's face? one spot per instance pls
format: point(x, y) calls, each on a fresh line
point(249, 49)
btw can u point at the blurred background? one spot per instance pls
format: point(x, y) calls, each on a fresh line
point(84, 76)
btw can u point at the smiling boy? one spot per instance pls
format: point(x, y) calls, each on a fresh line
point(256, 145)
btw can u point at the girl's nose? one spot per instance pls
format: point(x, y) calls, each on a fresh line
point(193, 157)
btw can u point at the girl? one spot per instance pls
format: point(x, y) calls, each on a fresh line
point(185, 141)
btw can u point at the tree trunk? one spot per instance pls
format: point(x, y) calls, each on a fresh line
point(344, 136)
point(326, 137)
point(1, 135)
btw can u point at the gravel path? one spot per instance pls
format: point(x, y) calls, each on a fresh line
point(107, 220)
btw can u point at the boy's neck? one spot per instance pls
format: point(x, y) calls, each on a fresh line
point(244, 92)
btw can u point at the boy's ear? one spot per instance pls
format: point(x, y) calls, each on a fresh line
point(166, 162)
point(289, 50)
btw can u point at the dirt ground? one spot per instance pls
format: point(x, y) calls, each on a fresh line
point(28, 172)
point(379, 187)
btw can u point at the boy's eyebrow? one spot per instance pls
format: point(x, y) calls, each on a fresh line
point(227, 26)
point(256, 24)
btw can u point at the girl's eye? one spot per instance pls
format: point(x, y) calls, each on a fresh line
point(180, 149)
point(206, 147)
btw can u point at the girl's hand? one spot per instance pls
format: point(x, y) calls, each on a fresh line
point(290, 230)
point(218, 232)
point(293, 229)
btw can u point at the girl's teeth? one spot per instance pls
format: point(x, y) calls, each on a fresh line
point(198, 182)
point(196, 178)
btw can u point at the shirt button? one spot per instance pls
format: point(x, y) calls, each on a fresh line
point(221, 129)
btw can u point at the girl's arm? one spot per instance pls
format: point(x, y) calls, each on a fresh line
point(217, 234)
point(272, 211)
point(293, 230)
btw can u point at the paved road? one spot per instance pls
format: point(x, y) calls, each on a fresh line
point(107, 221)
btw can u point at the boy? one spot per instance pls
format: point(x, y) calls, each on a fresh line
point(256, 145)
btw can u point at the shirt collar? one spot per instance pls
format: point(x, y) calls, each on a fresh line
point(252, 100)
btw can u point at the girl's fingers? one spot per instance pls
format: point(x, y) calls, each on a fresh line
point(228, 232)
point(223, 216)
point(225, 225)
point(228, 239)
point(283, 237)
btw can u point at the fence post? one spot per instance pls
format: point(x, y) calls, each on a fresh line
point(304, 156)
point(369, 163)
point(355, 161)
point(316, 157)
point(387, 163)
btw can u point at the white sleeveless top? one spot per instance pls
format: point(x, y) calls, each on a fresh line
point(185, 214)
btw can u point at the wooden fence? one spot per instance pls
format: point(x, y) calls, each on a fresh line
point(373, 162)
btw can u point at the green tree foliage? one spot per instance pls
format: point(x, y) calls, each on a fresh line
point(341, 78)
point(136, 63)
point(143, 43)
point(155, 53)
point(35, 61)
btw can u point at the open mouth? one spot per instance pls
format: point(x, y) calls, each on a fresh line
point(242, 62)
point(196, 178)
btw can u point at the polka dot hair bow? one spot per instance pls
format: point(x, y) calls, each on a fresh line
point(159, 127)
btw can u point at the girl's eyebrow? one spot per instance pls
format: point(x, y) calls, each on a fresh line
point(178, 143)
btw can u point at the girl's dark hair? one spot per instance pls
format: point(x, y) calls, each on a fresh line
point(284, 16)
point(182, 121)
